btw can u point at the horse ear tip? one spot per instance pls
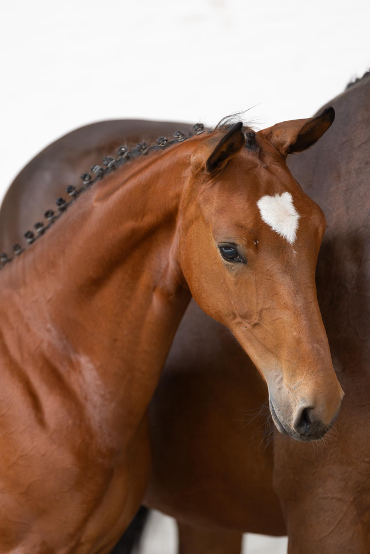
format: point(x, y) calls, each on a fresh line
point(237, 129)
point(209, 168)
point(330, 112)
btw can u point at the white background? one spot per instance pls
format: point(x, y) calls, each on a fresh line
point(66, 64)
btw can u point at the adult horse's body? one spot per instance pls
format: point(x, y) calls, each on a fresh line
point(118, 269)
point(324, 489)
point(327, 508)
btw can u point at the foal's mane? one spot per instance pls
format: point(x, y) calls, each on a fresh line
point(124, 155)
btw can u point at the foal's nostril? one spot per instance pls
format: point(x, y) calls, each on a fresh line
point(304, 423)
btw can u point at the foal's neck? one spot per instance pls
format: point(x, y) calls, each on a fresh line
point(102, 289)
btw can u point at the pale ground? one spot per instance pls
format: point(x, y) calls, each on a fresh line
point(160, 538)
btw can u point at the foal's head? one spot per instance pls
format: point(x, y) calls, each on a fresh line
point(249, 240)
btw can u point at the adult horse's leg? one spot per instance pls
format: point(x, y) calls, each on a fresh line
point(198, 540)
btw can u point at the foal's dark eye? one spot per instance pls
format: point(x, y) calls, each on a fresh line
point(230, 253)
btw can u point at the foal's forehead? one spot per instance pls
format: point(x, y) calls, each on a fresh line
point(280, 214)
point(268, 199)
point(290, 214)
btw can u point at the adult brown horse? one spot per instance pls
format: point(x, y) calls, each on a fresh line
point(327, 508)
point(268, 149)
point(203, 467)
point(324, 489)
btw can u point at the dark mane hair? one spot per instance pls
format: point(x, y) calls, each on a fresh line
point(356, 80)
point(123, 155)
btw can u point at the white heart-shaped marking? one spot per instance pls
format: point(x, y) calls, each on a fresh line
point(280, 214)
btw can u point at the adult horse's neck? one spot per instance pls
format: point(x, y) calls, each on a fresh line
point(100, 295)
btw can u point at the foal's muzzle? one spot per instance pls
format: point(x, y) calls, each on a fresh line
point(306, 425)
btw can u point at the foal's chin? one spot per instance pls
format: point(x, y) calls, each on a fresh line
point(318, 431)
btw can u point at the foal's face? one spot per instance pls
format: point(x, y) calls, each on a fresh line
point(249, 257)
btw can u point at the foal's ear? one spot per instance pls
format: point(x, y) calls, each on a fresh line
point(297, 135)
point(228, 146)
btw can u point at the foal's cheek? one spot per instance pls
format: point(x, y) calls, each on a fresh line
point(211, 290)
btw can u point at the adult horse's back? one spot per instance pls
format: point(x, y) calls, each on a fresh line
point(60, 164)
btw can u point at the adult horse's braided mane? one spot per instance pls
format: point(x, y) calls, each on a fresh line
point(124, 154)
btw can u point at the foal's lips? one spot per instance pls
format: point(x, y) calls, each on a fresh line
point(277, 421)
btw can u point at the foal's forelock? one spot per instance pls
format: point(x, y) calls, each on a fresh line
point(123, 156)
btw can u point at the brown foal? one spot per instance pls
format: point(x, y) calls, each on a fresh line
point(96, 303)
